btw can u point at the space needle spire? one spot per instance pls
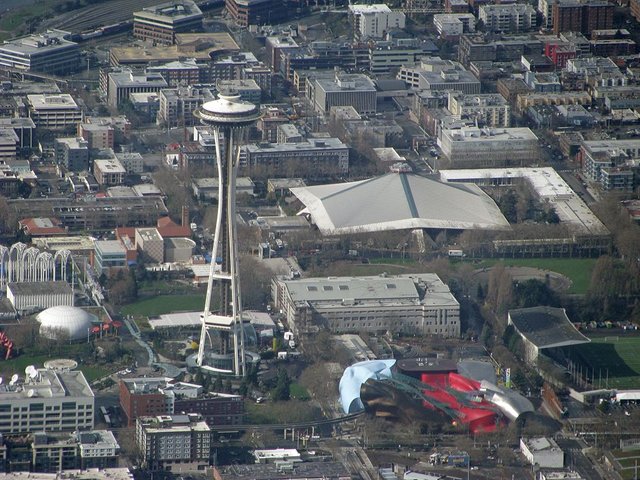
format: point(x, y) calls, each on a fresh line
point(230, 119)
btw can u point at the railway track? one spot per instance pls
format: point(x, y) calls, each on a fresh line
point(96, 16)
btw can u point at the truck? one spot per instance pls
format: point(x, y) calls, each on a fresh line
point(456, 253)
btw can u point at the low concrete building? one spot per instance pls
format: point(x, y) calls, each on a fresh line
point(132, 162)
point(8, 144)
point(72, 153)
point(150, 244)
point(108, 254)
point(206, 189)
point(341, 90)
point(316, 156)
point(281, 186)
point(26, 296)
point(178, 250)
point(473, 147)
point(542, 452)
point(109, 171)
point(248, 89)
point(50, 52)
point(54, 111)
point(419, 304)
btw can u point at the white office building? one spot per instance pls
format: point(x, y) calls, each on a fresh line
point(49, 400)
point(452, 25)
point(373, 21)
point(508, 18)
point(49, 52)
point(490, 109)
point(473, 147)
point(342, 90)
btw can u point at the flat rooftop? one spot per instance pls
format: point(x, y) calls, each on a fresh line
point(376, 8)
point(316, 144)
point(39, 44)
point(200, 46)
point(174, 423)
point(539, 444)
point(47, 384)
point(121, 473)
point(548, 184)
point(272, 471)
point(546, 327)
point(194, 320)
point(355, 82)
point(40, 288)
point(282, 183)
point(149, 234)
point(171, 12)
point(76, 143)
point(110, 165)
point(418, 289)
point(110, 247)
point(52, 102)
point(475, 134)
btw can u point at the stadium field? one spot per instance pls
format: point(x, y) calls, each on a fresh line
point(617, 355)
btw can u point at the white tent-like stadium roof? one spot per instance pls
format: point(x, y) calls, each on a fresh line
point(399, 201)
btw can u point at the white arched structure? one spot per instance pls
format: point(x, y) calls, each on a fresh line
point(16, 262)
point(29, 264)
point(62, 256)
point(22, 263)
point(4, 265)
point(44, 267)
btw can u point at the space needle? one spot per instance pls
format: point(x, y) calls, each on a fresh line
point(230, 119)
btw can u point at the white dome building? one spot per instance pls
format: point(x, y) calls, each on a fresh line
point(73, 322)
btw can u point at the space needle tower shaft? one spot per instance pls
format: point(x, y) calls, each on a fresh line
point(230, 120)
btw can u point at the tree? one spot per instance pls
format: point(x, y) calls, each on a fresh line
point(7, 217)
point(255, 279)
point(533, 292)
point(281, 392)
point(244, 388)
point(217, 385)
point(507, 203)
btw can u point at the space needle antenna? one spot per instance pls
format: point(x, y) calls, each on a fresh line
point(230, 119)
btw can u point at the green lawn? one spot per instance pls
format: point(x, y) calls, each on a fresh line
point(617, 357)
point(161, 304)
point(18, 364)
point(281, 412)
point(578, 270)
point(18, 17)
point(393, 261)
point(298, 392)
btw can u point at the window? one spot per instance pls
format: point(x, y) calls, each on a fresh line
point(343, 287)
point(312, 288)
point(391, 286)
point(327, 288)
